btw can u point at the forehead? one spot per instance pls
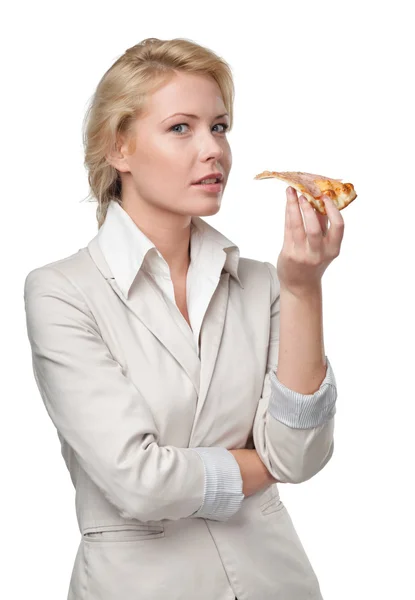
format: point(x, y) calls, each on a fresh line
point(186, 93)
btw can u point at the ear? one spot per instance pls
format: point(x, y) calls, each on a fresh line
point(118, 157)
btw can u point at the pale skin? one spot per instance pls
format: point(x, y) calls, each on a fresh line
point(305, 255)
point(184, 149)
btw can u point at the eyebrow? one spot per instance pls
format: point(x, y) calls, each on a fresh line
point(192, 116)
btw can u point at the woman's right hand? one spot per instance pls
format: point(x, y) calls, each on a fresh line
point(255, 475)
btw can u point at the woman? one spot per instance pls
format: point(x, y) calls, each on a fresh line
point(155, 350)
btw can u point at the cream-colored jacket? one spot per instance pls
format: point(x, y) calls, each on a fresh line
point(132, 400)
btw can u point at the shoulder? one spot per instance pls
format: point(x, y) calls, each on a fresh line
point(259, 274)
point(66, 274)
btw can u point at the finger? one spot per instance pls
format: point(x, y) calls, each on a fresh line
point(336, 231)
point(298, 233)
point(287, 229)
point(324, 222)
point(312, 224)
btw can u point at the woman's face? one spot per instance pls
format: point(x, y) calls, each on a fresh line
point(171, 152)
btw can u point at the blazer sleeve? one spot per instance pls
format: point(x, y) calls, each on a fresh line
point(106, 420)
point(292, 432)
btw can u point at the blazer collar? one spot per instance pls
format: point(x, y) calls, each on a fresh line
point(125, 247)
point(120, 259)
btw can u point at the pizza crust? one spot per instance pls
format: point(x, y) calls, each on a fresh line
point(313, 187)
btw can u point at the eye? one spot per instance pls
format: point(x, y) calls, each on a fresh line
point(224, 125)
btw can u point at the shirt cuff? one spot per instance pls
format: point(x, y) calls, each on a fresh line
point(303, 411)
point(223, 484)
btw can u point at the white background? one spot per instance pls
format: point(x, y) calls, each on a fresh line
point(321, 87)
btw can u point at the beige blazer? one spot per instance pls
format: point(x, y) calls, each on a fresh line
point(130, 399)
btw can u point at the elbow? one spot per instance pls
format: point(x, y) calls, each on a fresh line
point(298, 462)
point(312, 463)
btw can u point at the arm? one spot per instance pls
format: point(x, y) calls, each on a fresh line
point(108, 423)
point(293, 431)
point(254, 473)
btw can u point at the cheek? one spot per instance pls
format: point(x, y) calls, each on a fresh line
point(156, 164)
point(227, 155)
point(168, 161)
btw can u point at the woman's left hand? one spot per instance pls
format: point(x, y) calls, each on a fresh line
point(307, 252)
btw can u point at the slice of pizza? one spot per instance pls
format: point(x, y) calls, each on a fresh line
point(313, 187)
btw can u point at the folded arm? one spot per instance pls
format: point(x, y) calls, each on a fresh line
point(107, 422)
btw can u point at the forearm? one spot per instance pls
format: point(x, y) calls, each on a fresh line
point(301, 359)
point(255, 475)
point(293, 425)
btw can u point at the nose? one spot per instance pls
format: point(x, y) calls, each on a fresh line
point(210, 145)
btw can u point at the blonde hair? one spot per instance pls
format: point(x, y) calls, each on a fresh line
point(120, 98)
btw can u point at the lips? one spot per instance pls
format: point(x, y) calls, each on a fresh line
point(217, 176)
point(216, 181)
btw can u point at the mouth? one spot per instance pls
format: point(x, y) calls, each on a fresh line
point(212, 177)
point(209, 187)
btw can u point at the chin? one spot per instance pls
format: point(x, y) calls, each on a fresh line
point(206, 211)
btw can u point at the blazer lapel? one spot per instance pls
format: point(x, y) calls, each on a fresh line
point(210, 339)
point(149, 307)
